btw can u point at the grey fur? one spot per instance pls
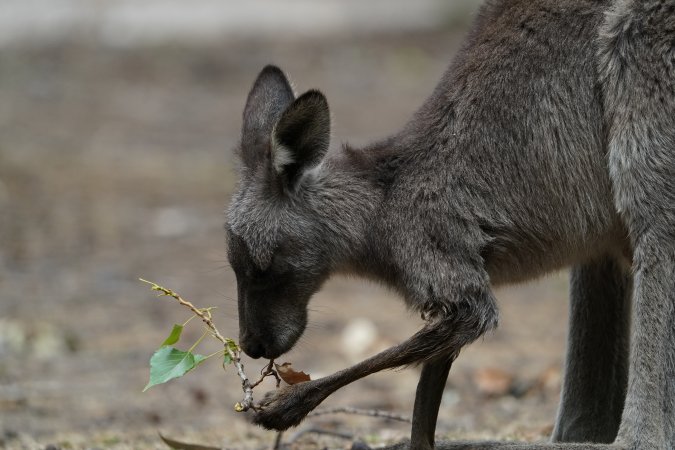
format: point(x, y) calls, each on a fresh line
point(549, 142)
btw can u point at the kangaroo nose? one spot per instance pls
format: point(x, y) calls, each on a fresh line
point(253, 348)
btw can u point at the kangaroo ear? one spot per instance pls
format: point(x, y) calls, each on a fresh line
point(301, 136)
point(269, 97)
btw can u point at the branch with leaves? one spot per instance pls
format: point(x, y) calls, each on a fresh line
point(169, 362)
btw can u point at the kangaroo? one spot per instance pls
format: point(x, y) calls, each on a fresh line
point(549, 142)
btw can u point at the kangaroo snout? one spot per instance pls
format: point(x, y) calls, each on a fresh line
point(271, 332)
point(255, 348)
point(270, 346)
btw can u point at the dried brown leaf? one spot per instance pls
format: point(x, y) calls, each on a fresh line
point(177, 445)
point(290, 375)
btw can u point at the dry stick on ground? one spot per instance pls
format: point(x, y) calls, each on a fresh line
point(362, 412)
point(278, 443)
point(230, 347)
point(337, 434)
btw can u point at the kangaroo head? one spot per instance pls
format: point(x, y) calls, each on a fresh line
point(277, 242)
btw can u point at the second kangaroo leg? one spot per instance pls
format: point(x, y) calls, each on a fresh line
point(596, 370)
point(427, 401)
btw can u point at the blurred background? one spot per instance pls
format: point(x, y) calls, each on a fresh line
point(117, 121)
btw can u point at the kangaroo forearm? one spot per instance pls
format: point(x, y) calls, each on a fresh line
point(432, 341)
point(288, 406)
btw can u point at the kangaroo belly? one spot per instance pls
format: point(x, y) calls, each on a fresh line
point(521, 251)
point(556, 206)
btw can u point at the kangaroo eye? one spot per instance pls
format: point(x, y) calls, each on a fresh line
point(273, 273)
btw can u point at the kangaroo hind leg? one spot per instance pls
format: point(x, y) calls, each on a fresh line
point(637, 69)
point(596, 370)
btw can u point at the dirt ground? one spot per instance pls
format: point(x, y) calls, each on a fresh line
point(116, 164)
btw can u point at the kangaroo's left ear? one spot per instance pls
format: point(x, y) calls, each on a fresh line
point(301, 136)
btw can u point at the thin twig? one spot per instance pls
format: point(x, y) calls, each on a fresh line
point(332, 433)
point(231, 347)
point(362, 412)
point(267, 371)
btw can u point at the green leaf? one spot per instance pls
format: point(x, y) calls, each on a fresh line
point(174, 336)
point(227, 359)
point(168, 363)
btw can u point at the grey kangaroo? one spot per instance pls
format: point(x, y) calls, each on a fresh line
point(549, 142)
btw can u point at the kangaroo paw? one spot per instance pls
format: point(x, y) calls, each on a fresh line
point(287, 406)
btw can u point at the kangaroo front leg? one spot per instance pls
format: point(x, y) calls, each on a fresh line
point(427, 401)
point(444, 335)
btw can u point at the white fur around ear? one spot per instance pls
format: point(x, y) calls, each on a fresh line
point(281, 156)
point(301, 136)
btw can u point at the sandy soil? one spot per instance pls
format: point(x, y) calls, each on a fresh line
point(115, 164)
